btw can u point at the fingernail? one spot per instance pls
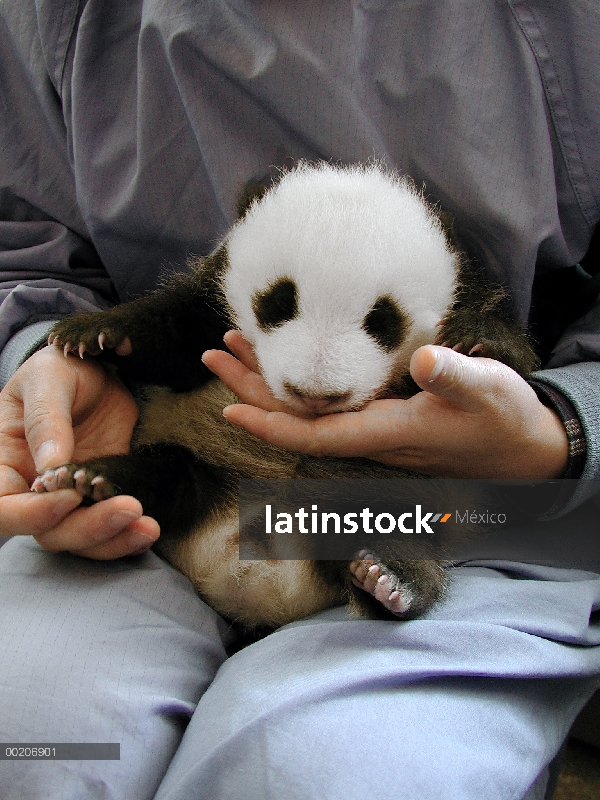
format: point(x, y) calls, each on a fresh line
point(121, 519)
point(139, 543)
point(438, 367)
point(45, 454)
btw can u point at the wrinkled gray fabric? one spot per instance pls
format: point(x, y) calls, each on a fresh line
point(131, 128)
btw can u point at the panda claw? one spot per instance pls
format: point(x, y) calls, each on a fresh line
point(458, 347)
point(399, 601)
point(101, 340)
point(79, 479)
point(476, 349)
point(38, 486)
point(81, 350)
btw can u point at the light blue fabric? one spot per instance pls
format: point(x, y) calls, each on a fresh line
point(98, 652)
point(22, 344)
point(473, 701)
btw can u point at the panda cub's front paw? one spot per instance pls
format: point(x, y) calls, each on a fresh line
point(91, 333)
point(489, 338)
point(453, 334)
point(91, 485)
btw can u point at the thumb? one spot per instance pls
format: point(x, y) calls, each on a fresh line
point(48, 424)
point(463, 381)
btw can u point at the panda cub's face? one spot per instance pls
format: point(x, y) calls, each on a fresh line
point(336, 276)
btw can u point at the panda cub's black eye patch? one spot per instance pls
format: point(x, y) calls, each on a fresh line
point(385, 323)
point(276, 305)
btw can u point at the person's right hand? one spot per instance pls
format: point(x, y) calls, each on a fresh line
point(52, 411)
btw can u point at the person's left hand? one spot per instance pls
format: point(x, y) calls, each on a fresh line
point(54, 410)
point(475, 418)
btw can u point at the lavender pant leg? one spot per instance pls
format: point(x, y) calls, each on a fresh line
point(473, 701)
point(98, 652)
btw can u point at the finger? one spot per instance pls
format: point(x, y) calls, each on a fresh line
point(11, 482)
point(91, 529)
point(466, 383)
point(354, 433)
point(135, 539)
point(242, 350)
point(243, 382)
point(47, 403)
point(32, 514)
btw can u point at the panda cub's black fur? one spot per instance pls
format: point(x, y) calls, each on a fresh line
point(335, 275)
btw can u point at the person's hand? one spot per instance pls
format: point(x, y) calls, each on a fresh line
point(475, 418)
point(52, 411)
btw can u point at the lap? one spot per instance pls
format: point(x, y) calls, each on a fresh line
point(471, 701)
point(98, 652)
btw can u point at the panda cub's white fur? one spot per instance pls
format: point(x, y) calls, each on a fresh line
point(345, 238)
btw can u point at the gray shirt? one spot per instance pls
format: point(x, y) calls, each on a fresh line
point(127, 130)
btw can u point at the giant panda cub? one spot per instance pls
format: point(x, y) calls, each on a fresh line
point(335, 276)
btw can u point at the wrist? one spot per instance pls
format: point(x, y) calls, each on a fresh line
point(552, 447)
point(563, 423)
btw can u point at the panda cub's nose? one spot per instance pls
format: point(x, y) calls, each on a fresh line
point(315, 402)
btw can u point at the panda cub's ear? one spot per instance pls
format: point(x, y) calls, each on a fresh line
point(253, 190)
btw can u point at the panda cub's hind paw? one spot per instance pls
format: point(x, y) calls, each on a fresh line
point(373, 576)
point(90, 484)
point(90, 333)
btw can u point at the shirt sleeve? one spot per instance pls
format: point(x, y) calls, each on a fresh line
point(48, 265)
point(570, 383)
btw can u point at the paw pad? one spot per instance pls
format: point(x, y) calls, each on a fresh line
point(374, 577)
